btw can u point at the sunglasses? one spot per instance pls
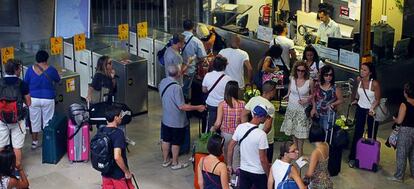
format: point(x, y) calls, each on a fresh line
point(327, 75)
point(298, 70)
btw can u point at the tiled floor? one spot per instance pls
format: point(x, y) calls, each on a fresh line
point(145, 161)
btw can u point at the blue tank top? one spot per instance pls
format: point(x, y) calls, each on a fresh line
point(211, 181)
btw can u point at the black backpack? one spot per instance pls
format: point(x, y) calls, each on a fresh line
point(102, 152)
point(11, 102)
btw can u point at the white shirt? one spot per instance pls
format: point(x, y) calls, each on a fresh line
point(250, 146)
point(328, 30)
point(253, 102)
point(286, 44)
point(234, 68)
point(363, 101)
point(279, 169)
point(217, 94)
point(313, 70)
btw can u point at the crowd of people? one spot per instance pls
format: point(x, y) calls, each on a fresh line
point(245, 126)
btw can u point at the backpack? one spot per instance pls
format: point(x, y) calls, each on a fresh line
point(78, 114)
point(102, 153)
point(160, 53)
point(11, 102)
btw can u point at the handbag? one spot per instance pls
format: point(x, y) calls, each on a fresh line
point(381, 111)
point(286, 182)
point(99, 96)
point(392, 139)
point(308, 108)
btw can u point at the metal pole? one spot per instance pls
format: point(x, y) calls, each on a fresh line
point(365, 25)
point(165, 16)
point(274, 9)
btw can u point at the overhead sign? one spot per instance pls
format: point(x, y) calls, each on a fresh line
point(79, 42)
point(142, 29)
point(6, 54)
point(123, 31)
point(56, 45)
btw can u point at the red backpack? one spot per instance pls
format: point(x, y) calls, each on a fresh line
point(11, 102)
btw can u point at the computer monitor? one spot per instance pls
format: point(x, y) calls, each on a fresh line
point(340, 43)
point(243, 21)
point(357, 41)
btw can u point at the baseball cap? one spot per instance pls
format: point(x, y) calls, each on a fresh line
point(261, 111)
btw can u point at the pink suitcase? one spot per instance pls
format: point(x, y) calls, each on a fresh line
point(368, 154)
point(78, 144)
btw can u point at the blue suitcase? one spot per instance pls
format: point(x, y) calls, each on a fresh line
point(54, 139)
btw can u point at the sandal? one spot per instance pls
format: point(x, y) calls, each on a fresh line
point(166, 164)
point(179, 166)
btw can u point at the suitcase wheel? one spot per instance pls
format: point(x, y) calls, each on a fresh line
point(357, 163)
point(374, 167)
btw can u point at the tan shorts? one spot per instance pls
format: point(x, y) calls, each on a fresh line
point(18, 131)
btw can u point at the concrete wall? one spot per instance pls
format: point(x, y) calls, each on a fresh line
point(395, 16)
point(36, 19)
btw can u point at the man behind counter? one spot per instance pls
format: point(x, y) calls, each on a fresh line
point(328, 27)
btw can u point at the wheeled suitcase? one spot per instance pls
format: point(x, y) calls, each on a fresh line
point(335, 149)
point(54, 139)
point(368, 153)
point(78, 142)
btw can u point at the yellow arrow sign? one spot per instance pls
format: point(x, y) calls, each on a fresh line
point(123, 32)
point(80, 42)
point(142, 29)
point(56, 45)
point(6, 54)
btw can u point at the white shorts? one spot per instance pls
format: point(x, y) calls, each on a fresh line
point(18, 131)
point(41, 111)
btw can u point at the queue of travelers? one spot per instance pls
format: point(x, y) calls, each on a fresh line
point(244, 127)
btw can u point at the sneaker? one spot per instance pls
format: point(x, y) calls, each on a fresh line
point(35, 144)
point(129, 141)
point(179, 166)
point(394, 179)
point(166, 163)
point(351, 163)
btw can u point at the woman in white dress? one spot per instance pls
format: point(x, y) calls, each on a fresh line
point(297, 123)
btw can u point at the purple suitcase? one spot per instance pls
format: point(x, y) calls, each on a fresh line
point(368, 154)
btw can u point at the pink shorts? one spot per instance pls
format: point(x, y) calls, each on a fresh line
point(110, 183)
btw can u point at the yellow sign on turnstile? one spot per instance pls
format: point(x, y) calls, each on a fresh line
point(6, 54)
point(56, 45)
point(123, 32)
point(142, 29)
point(80, 42)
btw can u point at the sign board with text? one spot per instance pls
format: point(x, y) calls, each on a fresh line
point(142, 29)
point(56, 45)
point(6, 54)
point(123, 31)
point(79, 41)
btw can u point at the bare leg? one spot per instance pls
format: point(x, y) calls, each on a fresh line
point(18, 153)
point(35, 136)
point(300, 146)
point(175, 150)
point(165, 151)
point(296, 141)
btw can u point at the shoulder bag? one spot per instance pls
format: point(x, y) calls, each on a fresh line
point(381, 111)
point(286, 182)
